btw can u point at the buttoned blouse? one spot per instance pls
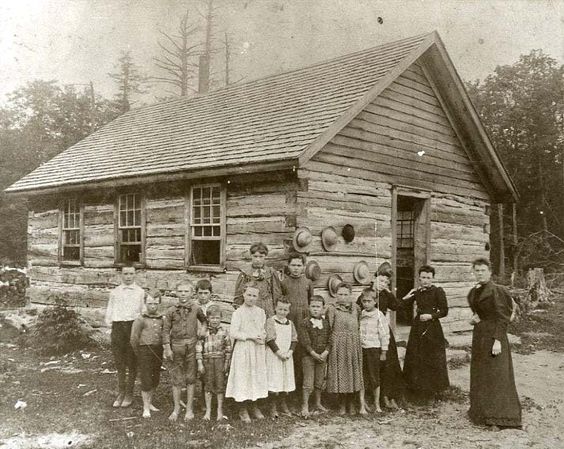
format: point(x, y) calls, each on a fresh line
point(126, 303)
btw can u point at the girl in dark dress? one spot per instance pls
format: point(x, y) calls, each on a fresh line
point(391, 377)
point(493, 395)
point(425, 368)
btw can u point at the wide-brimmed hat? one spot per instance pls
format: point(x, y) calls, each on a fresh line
point(329, 238)
point(384, 269)
point(312, 270)
point(361, 272)
point(332, 284)
point(301, 241)
point(348, 233)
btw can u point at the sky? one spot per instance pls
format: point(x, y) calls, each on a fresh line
point(78, 41)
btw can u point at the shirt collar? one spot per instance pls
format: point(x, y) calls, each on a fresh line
point(316, 323)
point(154, 317)
point(281, 322)
point(344, 307)
point(213, 330)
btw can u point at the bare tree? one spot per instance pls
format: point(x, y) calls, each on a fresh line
point(129, 80)
point(206, 78)
point(177, 59)
point(227, 46)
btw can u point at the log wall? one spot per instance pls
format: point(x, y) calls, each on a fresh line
point(404, 138)
point(258, 208)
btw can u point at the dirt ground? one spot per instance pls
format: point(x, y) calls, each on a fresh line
point(64, 402)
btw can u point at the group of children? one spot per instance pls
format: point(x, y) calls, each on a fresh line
point(281, 337)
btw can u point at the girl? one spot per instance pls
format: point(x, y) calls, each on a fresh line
point(425, 367)
point(265, 278)
point(281, 339)
point(247, 377)
point(344, 366)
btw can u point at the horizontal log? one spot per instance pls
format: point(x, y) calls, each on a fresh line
point(99, 236)
point(164, 263)
point(99, 219)
point(156, 230)
point(382, 193)
point(458, 217)
point(99, 252)
point(73, 296)
point(255, 226)
point(166, 242)
point(455, 231)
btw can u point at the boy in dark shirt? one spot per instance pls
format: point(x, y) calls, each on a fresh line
point(314, 338)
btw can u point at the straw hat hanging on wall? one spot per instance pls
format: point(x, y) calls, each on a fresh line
point(329, 238)
point(301, 241)
point(312, 270)
point(361, 273)
point(332, 284)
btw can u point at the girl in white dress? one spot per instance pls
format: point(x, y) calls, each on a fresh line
point(247, 380)
point(281, 339)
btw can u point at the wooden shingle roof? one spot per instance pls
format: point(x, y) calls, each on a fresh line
point(275, 122)
point(271, 119)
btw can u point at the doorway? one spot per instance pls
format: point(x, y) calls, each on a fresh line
point(410, 234)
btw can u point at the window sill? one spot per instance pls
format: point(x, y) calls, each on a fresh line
point(137, 265)
point(70, 263)
point(206, 268)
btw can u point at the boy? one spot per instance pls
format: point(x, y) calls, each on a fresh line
point(180, 332)
point(314, 336)
point(204, 294)
point(126, 303)
point(146, 341)
point(213, 353)
point(265, 278)
point(374, 339)
point(298, 290)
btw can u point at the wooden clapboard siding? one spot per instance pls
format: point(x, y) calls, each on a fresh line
point(43, 233)
point(382, 142)
point(99, 237)
point(165, 232)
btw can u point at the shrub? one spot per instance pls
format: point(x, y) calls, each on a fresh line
point(59, 330)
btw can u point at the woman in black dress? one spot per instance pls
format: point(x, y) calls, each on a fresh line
point(493, 395)
point(425, 367)
point(391, 377)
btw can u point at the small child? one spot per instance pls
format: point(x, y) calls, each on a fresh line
point(126, 304)
point(314, 338)
point(265, 278)
point(180, 334)
point(147, 342)
point(374, 338)
point(204, 294)
point(298, 289)
point(247, 377)
point(213, 353)
point(344, 364)
point(281, 339)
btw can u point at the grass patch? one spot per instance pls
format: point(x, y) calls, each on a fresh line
point(458, 362)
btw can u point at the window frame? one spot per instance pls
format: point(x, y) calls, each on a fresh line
point(220, 267)
point(61, 245)
point(117, 228)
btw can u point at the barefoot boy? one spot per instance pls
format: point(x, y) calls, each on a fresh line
point(180, 334)
point(314, 337)
point(126, 303)
point(374, 339)
point(213, 353)
point(147, 342)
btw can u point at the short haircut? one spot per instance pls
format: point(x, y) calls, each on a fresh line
point(204, 284)
point(368, 293)
point(427, 269)
point(293, 256)
point(214, 310)
point(251, 284)
point(185, 282)
point(154, 293)
point(344, 285)
point(259, 248)
point(317, 298)
point(481, 261)
point(128, 265)
point(283, 300)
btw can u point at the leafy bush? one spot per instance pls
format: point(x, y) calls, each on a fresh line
point(59, 330)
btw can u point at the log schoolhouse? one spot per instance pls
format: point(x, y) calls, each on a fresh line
point(384, 143)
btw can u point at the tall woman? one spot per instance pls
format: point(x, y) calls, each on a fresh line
point(425, 368)
point(493, 395)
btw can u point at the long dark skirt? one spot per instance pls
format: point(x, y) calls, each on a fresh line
point(392, 384)
point(425, 367)
point(493, 395)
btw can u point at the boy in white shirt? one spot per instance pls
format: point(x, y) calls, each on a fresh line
point(126, 303)
point(374, 339)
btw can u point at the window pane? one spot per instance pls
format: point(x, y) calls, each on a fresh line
point(216, 231)
point(130, 253)
point(71, 253)
point(216, 194)
point(129, 221)
point(198, 231)
point(205, 252)
point(216, 213)
point(207, 231)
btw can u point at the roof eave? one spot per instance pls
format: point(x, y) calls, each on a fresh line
point(211, 172)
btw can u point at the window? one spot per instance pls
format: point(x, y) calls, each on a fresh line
point(129, 228)
point(405, 221)
point(70, 231)
point(206, 225)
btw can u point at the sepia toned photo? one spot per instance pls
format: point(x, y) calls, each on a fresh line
point(281, 224)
